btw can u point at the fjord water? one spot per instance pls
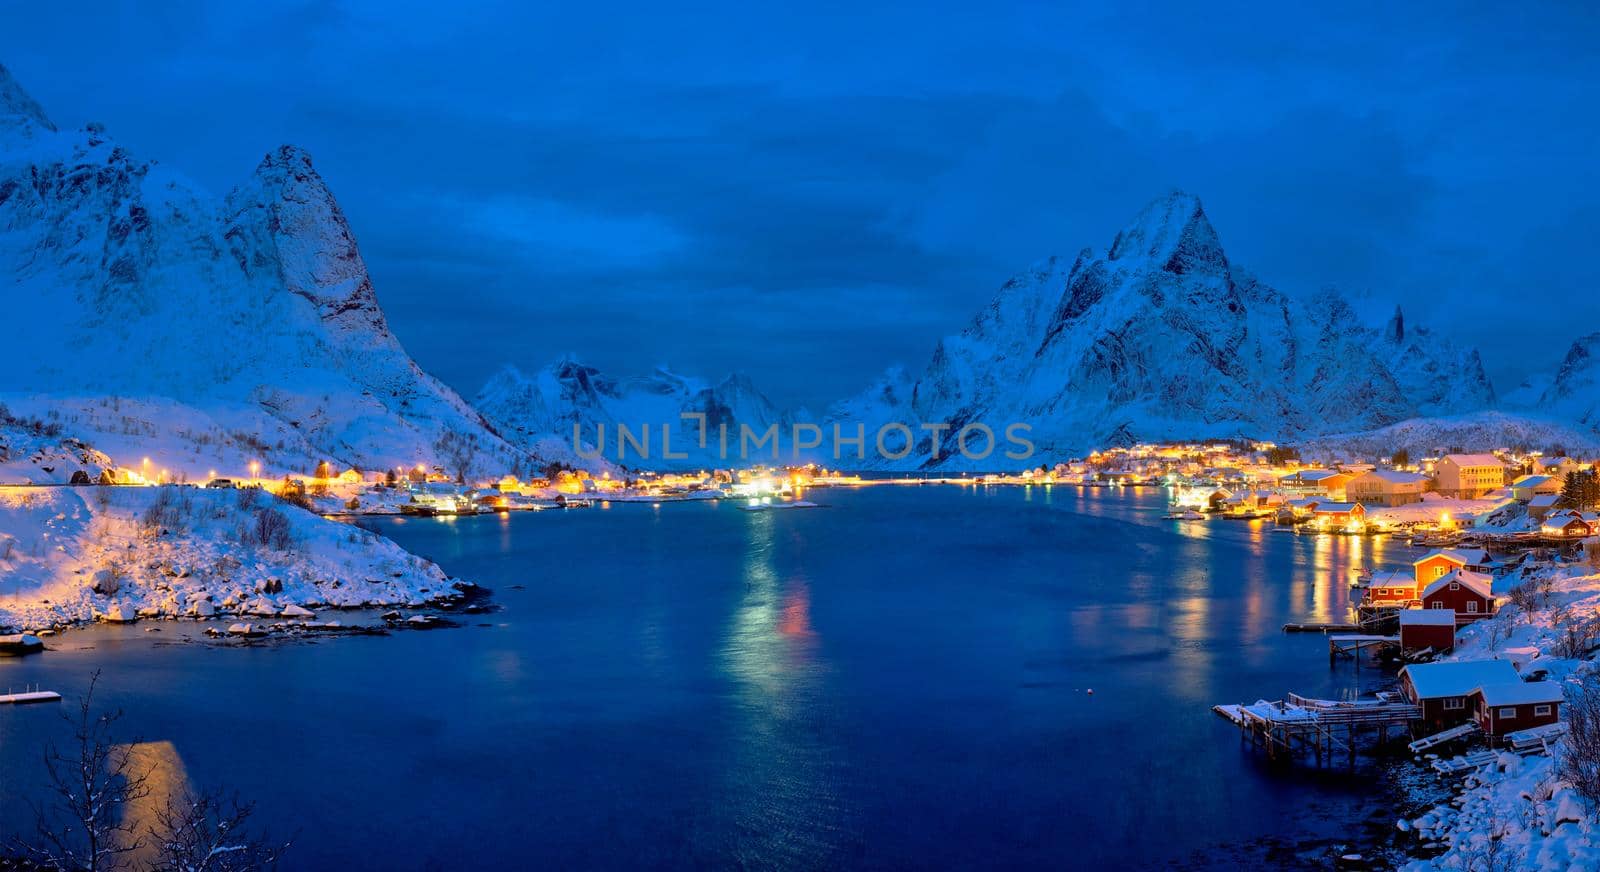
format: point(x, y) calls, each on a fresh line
point(900, 679)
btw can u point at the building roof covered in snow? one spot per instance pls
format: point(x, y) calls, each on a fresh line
point(1474, 460)
point(1476, 582)
point(1463, 556)
point(1427, 618)
point(1521, 692)
point(1457, 677)
point(1398, 476)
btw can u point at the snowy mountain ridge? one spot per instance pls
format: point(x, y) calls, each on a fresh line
point(1160, 336)
point(568, 394)
point(255, 310)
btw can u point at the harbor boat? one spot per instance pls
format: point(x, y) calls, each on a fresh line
point(21, 643)
point(1186, 515)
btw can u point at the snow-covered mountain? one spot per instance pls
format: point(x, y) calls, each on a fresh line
point(1161, 336)
point(1574, 392)
point(532, 409)
point(212, 331)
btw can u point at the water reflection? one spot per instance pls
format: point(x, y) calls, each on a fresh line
point(780, 779)
point(166, 786)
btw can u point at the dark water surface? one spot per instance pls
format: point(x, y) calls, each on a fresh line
point(898, 680)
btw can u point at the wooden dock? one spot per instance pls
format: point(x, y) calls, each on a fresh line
point(31, 696)
point(1351, 645)
point(1317, 728)
point(1321, 627)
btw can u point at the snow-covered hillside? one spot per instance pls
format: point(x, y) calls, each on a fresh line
point(36, 451)
point(1574, 392)
point(78, 554)
point(251, 314)
point(542, 408)
point(1160, 336)
point(1475, 431)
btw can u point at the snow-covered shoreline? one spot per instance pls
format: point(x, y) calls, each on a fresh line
point(74, 555)
point(1518, 813)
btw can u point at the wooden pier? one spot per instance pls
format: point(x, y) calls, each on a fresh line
point(1317, 728)
point(1351, 645)
point(27, 697)
point(1321, 627)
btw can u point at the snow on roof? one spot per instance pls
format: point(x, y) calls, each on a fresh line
point(1335, 508)
point(1474, 460)
point(1457, 677)
point(1397, 476)
point(1532, 480)
point(1521, 692)
point(1315, 474)
point(1543, 500)
point(1476, 582)
point(1463, 556)
point(1427, 618)
point(1563, 521)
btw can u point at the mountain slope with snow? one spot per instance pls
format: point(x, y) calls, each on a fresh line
point(1161, 336)
point(533, 410)
point(1574, 392)
point(252, 314)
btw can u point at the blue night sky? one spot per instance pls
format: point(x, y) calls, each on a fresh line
point(814, 192)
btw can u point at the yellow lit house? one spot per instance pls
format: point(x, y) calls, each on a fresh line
point(1469, 476)
point(1388, 487)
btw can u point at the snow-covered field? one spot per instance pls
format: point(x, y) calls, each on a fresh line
point(1433, 508)
point(88, 553)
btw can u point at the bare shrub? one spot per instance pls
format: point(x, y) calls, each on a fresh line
point(1532, 596)
point(171, 507)
point(210, 833)
point(249, 497)
point(92, 784)
point(1576, 635)
point(269, 529)
point(96, 782)
point(1579, 760)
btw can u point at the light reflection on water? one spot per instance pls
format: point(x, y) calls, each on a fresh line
point(899, 680)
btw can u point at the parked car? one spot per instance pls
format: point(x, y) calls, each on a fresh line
point(221, 482)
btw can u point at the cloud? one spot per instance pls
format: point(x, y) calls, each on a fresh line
point(811, 194)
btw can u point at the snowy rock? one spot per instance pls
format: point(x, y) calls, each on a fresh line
point(106, 582)
point(120, 614)
point(262, 607)
point(202, 608)
point(294, 611)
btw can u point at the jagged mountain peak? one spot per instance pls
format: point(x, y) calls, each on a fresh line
point(1161, 337)
point(1174, 232)
point(285, 221)
point(16, 102)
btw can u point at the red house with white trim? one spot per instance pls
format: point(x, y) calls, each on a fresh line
point(1516, 705)
point(1468, 595)
point(1445, 690)
point(1427, 629)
